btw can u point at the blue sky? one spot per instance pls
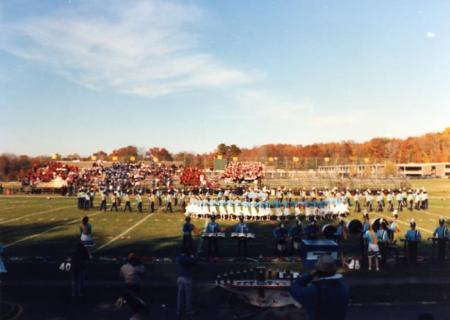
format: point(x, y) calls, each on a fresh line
point(80, 76)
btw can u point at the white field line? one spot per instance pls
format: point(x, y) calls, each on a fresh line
point(48, 230)
point(35, 214)
point(123, 233)
point(403, 222)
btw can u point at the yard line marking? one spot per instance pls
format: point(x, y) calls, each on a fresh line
point(46, 231)
point(123, 233)
point(35, 214)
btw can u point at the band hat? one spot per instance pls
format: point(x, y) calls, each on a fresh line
point(395, 213)
point(326, 264)
point(441, 219)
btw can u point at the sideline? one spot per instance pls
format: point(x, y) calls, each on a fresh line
point(48, 230)
point(123, 233)
point(35, 214)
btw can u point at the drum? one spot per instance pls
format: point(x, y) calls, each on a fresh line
point(355, 226)
point(328, 231)
point(221, 235)
point(250, 236)
point(376, 224)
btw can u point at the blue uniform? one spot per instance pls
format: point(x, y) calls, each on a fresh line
point(441, 232)
point(241, 228)
point(212, 227)
point(413, 235)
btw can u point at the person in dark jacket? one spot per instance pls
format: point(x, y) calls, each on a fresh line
point(78, 262)
point(185, 264)
point(322, 293)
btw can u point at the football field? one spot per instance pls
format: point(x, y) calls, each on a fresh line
point(33, 226)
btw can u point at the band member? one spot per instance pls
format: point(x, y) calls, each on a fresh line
point(341, 232)
point(379, 201)
point(152, 200)
point(399, 201)
point(366, 226)
point(390, 200)
point(383, 241)
point(280, 234)
point(412, 237)
point(356, 198)
point(312, 229)
point(127, 203)
point(114, 201)
point(369, 199)
point(441, 235)
point(213, 242)
point(394, 226)
point(188, 229)
point(87, 200)
point(411, 200)
point(242, 228)
point(103, 201)
point(168, 203)
point(139, 202)
point(424, 199)
point(296, 234)
point(373, 249)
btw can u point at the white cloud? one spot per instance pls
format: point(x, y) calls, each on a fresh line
point(143, 48)
point(430, 35)
point(270, 105)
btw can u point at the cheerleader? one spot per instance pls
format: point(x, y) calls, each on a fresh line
point(297, 211)
point(287, 210)
point(230, 209)
point(237, 208)
point(245, 209)
point(279, 211)
point(205, 209)
point(222, 211)
point(212, 207)
point(253, 210)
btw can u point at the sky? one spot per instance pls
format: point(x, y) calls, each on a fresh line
point(82, 76)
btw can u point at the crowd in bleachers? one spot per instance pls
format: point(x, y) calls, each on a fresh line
point(243, 171)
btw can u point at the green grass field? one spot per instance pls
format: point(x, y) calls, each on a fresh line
point(36, 226)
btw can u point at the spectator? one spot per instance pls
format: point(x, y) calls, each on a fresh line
point(322, 293)
point(78, 269)
point(185, 262)
point(131, 273)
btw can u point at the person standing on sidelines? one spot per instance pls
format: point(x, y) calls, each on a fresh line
point(78, 262)
point(373, 250)
point(185, 263)
point(188, 229)
point(413, 238)
point(441, 235)
point(322, 293)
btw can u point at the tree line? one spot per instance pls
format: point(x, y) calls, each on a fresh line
point(431, 147)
